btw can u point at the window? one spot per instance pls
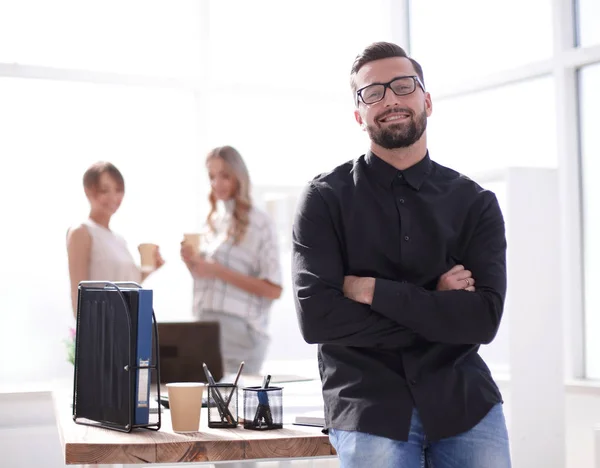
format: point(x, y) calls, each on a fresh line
point(511, 125)
point(588, 20)
point(589, 78)
point(276, 88)
point(307, 45)
point(481, 132)
point(52, 131)
point(286, 138)
point(147, 37)
point(464, 40)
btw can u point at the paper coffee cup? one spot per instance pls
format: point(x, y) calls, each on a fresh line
point(185, 402)
point(148, 256)
point(193, 240)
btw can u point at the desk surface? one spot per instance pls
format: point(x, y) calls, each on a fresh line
point(92, 445)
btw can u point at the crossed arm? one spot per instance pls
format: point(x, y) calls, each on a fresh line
point(376, 312)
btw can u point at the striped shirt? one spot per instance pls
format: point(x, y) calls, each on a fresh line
point(256, 255)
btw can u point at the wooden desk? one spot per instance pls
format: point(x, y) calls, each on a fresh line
point(91, 445)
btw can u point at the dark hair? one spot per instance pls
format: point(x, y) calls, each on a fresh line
point(378, 51)
point(91, 178)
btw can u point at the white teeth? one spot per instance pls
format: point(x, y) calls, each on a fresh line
point(395, 117)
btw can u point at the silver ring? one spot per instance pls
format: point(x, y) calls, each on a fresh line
point(468, 282)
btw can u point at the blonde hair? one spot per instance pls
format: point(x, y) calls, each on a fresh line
point(241, 197)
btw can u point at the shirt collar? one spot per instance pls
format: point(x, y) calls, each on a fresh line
point(386, 173)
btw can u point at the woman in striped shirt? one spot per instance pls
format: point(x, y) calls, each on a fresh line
point(237, 272)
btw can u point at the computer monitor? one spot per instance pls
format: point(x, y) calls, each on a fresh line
point(184, 346)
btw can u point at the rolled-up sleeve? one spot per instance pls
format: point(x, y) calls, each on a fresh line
point(269, 264)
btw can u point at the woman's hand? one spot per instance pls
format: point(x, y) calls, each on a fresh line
point(158, 259)
point(187, 253)
point(204, 267)
point(199, 266)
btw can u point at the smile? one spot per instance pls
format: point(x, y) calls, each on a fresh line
point(395, 117)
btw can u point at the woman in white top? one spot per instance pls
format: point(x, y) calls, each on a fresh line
point(95, 252)
point(237, 273)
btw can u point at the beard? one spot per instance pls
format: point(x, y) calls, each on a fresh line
point(400, 135)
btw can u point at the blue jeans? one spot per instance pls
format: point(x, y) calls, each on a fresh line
point(484, 446)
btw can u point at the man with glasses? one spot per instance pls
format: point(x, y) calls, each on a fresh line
point(387, 249)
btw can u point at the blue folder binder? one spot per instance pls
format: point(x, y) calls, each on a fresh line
point(143, 355)
point(114, 344)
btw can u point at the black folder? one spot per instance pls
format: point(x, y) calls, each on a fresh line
point(106, 350)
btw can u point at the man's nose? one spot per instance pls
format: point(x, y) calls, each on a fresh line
point(391, 99)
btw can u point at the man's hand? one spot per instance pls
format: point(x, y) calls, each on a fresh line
point(359, 289)
point(456, 278)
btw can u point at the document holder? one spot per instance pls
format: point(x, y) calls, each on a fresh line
point(115, 333)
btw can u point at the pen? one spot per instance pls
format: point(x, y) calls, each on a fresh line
point(263, 412)
point(266, 381)
point(263, 398)
point(235, 383)
point(221, 407)
point(209, 376)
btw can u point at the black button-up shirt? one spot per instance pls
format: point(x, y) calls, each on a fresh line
point(414, 346)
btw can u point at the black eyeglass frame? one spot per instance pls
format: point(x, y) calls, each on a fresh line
point(416, 81)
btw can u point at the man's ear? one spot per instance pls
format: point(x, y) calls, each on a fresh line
point(428, 104)
point(359, 119)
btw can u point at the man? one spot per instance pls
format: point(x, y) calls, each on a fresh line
point(387, 249)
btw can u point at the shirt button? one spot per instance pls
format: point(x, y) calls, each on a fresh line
point(400, 176)
point(402, 201)
point(413, 382)
point(406, 238)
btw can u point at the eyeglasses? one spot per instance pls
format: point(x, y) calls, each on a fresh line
point(401, 86)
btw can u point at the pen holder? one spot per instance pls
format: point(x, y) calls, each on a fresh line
point(222, 404)
point(263, 408)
